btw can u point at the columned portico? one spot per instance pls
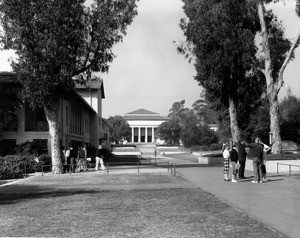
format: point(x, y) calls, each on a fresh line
point(144, 125)
point(143, 134)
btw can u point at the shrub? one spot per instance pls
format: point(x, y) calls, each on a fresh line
point(29, 148)
point(7, 172)
point(212, 147)
point(14, 165)
point(283, 156)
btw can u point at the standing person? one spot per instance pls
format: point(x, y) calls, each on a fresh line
point(84, 157)
point(63, 158)
point(67, 155)
point(233, 160)
point(226, 156)
point(263, 164)
point(72, 159)
point(242, 158)
point(99, 158)
point(256, 154)
point(80, 159)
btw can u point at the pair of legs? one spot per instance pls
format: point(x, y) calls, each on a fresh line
point(73, 165)
point(234, 171)
point(80, 164)
point(257, 171)
point(226, 168)
point(99, 160)
point(242, 169)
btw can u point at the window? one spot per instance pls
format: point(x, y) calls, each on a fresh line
point(43, 143)
point(35, 120)
point(76, 118)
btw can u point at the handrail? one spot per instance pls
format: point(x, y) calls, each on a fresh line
point(290, 166)
point(110, 165)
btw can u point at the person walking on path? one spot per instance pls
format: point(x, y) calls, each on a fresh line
point(226, 156)
point(234, 161)
point(256, 154)
point(242, 158)
point(99, 158)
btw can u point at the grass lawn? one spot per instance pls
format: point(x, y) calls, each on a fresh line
point(120, 205)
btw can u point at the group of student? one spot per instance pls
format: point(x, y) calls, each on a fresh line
point(235, 154)
point(76, 159)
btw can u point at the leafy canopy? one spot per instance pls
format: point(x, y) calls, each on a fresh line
point(58, 40)
point(120, 129)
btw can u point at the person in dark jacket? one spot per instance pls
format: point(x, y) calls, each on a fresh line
point(233, 160)
point(72, 159)
point(242, 158)
point(256, 154)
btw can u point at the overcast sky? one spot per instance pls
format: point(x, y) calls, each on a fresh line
point(148, 73)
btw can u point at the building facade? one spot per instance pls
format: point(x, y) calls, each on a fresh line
point(80, 119)
point(144, 124)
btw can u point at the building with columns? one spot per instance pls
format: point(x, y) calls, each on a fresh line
point(144, 124)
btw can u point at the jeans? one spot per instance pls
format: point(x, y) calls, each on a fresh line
point(257, 171)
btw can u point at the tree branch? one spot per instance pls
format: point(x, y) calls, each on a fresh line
point(286, 61)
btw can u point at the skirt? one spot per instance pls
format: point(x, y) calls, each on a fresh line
point(226, 165)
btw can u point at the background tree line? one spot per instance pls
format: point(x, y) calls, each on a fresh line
point(191, 126)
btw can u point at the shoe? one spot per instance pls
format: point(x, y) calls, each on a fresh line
point(226, 180)
point(234, 181)
point(254, 181)
point(260, 181)
point(265, 180)
point(242, 177)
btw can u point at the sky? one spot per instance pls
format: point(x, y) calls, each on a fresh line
point(149, 73)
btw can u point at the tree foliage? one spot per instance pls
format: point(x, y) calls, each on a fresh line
point(120, 129)
point(187, 125)
point(10, 102)
point(57, 40)
point(170, 131)
point(222, 34)
point(290, 118)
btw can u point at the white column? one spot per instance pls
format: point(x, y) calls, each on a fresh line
point(132, 134)
point(146, 134)
point(152, 134)
point(139, 137)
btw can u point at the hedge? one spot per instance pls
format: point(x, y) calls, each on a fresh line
point(14, 166)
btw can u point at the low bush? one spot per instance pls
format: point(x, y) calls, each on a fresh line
point(283, 156)
point(14, 166)
point(7, 172)
point(212, 147)
point(123, 145)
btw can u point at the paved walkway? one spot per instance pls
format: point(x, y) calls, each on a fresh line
point(276, 203)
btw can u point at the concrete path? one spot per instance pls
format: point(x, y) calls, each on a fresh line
point(276, 203)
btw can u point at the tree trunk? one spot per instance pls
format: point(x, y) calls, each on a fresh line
point(272, 85)
point(234, 127)
point(52, 118)
point(274, 126)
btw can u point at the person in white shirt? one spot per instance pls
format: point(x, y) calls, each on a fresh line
point(226, 155)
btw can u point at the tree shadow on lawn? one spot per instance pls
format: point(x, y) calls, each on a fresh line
point(18, 193)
